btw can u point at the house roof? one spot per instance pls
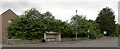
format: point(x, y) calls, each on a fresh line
point(9, 10)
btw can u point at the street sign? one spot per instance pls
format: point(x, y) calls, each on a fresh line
point(88, 30)
point(105, 32)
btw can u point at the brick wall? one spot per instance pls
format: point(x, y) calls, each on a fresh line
point(7, 15)
point(23, 41)
point(0, 28)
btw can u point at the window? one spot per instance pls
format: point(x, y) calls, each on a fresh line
point(9, 21)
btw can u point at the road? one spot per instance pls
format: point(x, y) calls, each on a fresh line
point(103, 42)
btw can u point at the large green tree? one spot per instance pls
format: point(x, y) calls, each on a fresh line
point(83, 25)
point(29, 26)
point(32, 25)
point(106, 20)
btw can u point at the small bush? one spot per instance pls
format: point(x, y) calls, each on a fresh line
point(95, 34)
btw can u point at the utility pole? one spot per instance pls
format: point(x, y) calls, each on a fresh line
point(76, 24)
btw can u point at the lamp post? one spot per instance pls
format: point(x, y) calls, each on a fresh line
point(76, 25)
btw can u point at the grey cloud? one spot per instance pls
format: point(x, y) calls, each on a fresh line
point(20, 7)
point(16, 4)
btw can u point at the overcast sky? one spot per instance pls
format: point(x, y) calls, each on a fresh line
point(61, 9)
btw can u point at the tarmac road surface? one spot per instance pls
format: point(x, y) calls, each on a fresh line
point(103, 42)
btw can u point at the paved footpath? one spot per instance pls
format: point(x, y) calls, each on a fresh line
point(0, 45)
point(103, 42)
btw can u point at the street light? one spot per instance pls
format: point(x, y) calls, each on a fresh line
point(76, 25)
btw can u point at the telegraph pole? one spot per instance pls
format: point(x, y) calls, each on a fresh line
point(76, 24)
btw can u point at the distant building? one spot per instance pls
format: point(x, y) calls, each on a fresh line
point(5, 20)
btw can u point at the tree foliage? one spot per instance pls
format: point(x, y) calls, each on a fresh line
point(83, 25)
point(118, 29)
point(32, 25)
point(106, 20)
